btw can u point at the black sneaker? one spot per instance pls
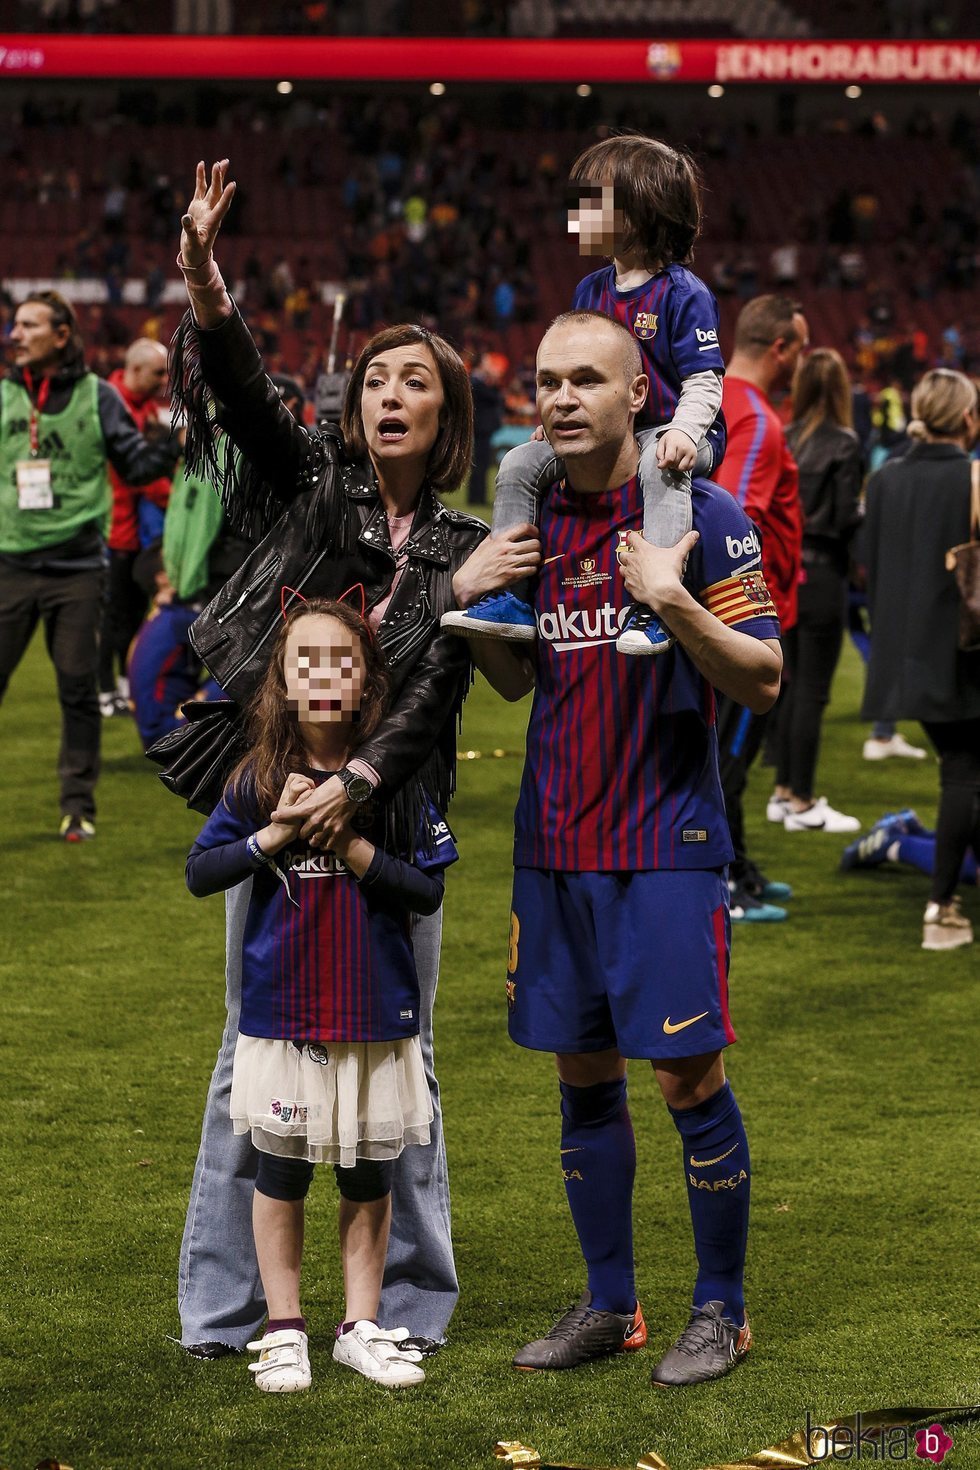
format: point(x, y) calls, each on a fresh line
point(744, 909)
point(426, 1347)
point(709, 1347)
point(76, 829)
point(208, 1352)
point(582, 1335)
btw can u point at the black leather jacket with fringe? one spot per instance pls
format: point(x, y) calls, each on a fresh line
point(321, 528)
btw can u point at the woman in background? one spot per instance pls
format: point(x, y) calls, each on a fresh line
point(917, 508)
point(831, 465)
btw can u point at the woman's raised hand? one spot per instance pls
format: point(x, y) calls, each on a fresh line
point(201, 223)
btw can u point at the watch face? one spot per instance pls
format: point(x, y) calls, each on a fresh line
point(358, 787)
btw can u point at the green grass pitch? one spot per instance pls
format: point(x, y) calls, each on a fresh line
point(855, 1070)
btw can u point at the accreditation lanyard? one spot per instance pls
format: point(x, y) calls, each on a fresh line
point(37, 408)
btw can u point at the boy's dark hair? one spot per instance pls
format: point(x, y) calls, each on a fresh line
point(658, 189)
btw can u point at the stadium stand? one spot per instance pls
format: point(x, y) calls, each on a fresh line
point(439, 211)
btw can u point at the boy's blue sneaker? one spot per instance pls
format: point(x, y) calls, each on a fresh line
point(871, 851)
point(643, 633)
point(499, 615)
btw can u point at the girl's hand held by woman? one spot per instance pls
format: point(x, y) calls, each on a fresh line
point(280, 831)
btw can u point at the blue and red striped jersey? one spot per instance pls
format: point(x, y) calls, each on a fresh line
point(674, 318)
point(621, 771)
point(324, 958)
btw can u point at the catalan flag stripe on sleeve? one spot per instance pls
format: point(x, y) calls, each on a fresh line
point(736, 598)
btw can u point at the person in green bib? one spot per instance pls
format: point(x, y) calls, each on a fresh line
point(59, 426)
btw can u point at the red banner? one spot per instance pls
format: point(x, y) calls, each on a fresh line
point(446, 59)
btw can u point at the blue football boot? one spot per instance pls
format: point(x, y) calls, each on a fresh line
point(871, 850)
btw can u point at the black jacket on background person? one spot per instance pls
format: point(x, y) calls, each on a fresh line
point(917, 507)
point(831, 466)
point(321, 529)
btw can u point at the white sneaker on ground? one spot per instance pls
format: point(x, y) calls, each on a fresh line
point(776, 808)
point(373, 1352)
point(879, 750)
point(284, 1361)
point(944, 927)
point(820, 817)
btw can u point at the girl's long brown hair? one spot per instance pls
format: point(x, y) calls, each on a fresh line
point(275, 742)
point(821, 394)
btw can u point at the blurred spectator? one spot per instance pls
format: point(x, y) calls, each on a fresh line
point(488, 412)
point(54, 512)
point(830, 461)
point(139, 382)
point(784, 266)
point(918, 505)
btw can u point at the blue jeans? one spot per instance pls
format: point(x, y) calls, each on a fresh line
point(219, 1292)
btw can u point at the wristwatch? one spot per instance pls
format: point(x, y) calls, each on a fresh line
point(358, 787)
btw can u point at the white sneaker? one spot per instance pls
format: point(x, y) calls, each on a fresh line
point(373, 1352)
point(880, 750)
point(776, 809)
point(284, 1361)
point(944, 927)
point(820, 817)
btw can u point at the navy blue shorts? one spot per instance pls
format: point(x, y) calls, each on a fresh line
point(636, 961)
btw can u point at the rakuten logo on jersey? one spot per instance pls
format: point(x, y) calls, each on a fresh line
point(581, 628)
point(749, 545)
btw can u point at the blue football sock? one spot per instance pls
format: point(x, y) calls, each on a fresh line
point(598, 1160)
point(717, 1170)
point(920, 852)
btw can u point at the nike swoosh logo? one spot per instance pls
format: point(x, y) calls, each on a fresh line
point(549, 559)
point(670, 1029)
point(706, 1163)
point(578, 1150)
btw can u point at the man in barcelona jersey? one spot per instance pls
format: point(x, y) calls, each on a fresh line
point(620, 933)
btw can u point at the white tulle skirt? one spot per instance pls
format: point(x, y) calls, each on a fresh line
point(332, 1103)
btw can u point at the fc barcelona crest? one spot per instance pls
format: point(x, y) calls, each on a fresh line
point(754, 587)
point(645, 325)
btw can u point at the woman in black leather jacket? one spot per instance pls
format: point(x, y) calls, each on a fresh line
point(335, 509)
point(331, 510)
point(831, 465)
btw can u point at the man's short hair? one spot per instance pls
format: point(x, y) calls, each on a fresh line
point(762, 321)
point(142, 350)
point(632, 357)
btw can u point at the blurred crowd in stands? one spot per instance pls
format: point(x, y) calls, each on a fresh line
point(543, 18)
point(452, 212)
